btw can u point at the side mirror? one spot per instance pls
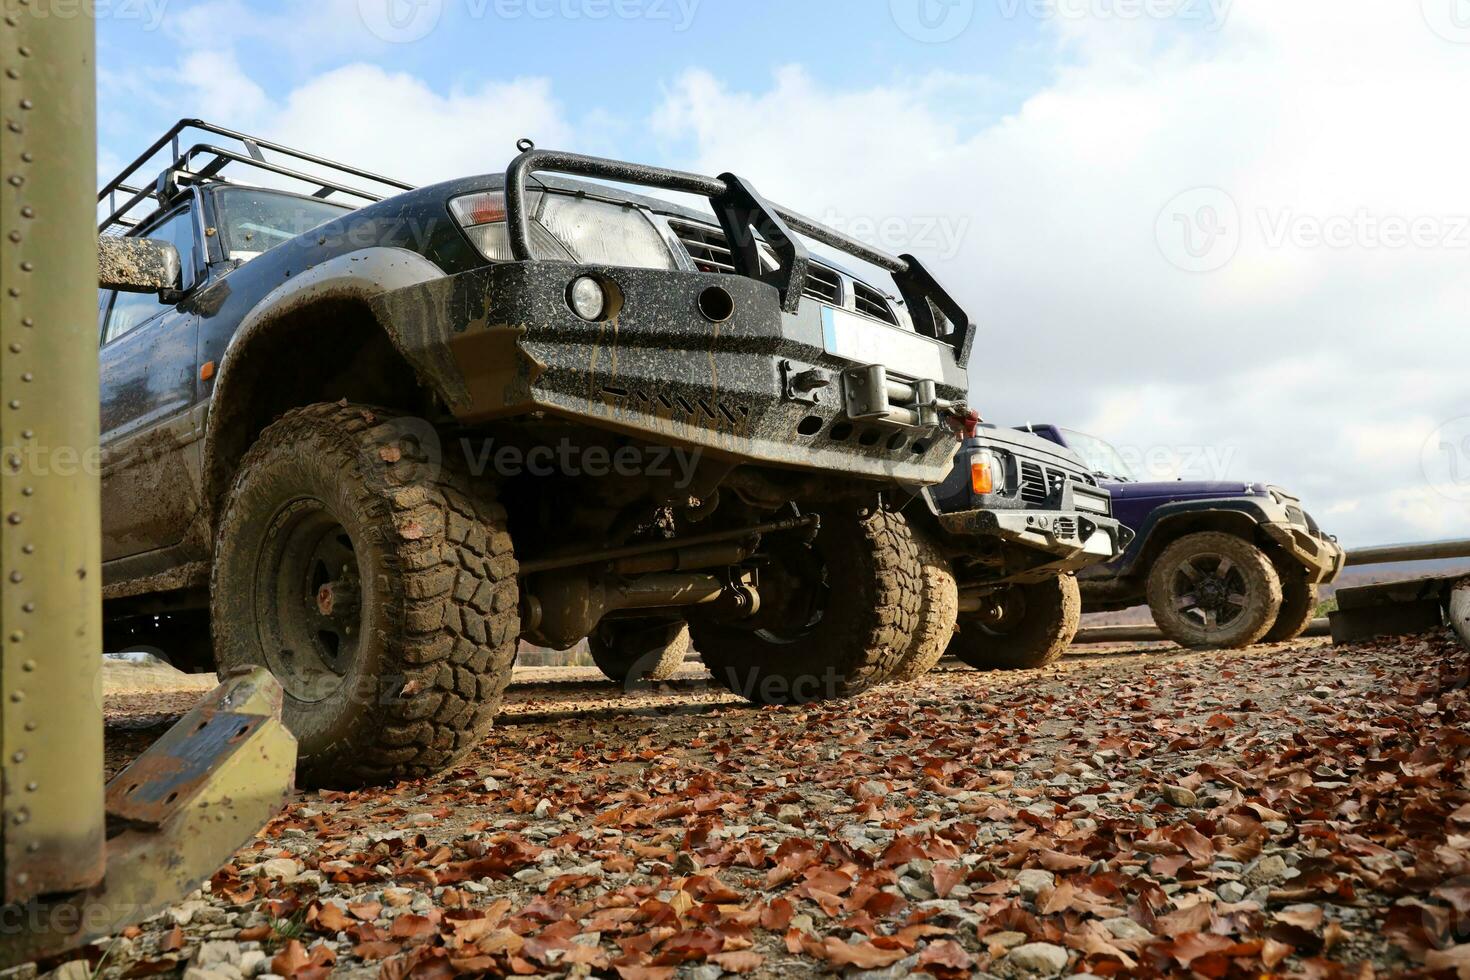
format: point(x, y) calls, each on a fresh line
point(138, 265)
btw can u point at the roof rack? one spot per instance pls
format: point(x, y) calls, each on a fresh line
point(203, 162)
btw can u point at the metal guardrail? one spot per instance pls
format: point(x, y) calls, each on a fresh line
point(1395, 553)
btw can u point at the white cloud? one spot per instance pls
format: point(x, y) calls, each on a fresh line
point(1324, 368)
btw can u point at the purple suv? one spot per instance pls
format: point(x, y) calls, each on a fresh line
point(1220, 564)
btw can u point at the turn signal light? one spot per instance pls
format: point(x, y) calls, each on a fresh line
point(982, 475)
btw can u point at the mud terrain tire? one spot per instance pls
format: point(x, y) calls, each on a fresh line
point(939, 608)
point(1043, 627)
point(631, 651)
point(1251, 587)
point(413, 682)
point(1299, 601)
point(872, 596)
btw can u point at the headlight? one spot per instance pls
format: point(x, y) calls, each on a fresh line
point(565, 228)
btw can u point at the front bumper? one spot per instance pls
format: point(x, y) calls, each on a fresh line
point(764, 386)
point(1319, 555)
point(1072, 540)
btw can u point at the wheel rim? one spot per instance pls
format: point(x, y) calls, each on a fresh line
point(1209, 591)
point(308, 599)
point(1006, 616)
point(797, 574)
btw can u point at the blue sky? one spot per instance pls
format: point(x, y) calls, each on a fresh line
point(1230, 235)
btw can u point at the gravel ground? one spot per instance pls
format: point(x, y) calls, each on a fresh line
point(1142, 810)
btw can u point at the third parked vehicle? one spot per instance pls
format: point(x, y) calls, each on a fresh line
point(1220, 564)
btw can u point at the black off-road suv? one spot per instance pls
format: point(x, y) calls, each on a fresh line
point(1001, 541)
point(380, 433)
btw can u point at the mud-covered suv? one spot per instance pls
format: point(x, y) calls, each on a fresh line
point(379, 433)
point(1002, 540)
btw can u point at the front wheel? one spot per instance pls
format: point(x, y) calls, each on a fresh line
point(837, 614)
point(378, 586)
point(1029, 627)
point(1214, 591)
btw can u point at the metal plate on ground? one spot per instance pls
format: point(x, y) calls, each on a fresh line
point(173, 769)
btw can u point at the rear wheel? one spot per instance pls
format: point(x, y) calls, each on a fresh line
point(1299, 602)
point(1030, 627)
point(378, 587)
point(837, 614)
point(629, 651)
point(1214, 590)
point(938, 609)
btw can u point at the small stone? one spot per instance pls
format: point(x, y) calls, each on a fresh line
point(1267, 870)
point(1033, 882)
point(543, 810)
point(1089, 803)
point(874, 788)
point(254, 962)
point(1179, 796)
point(708, 971)
point(789, 813)
point(1037, 959)
point(1231, 892)
point(75, 970)
point(1005, 940)
point(283, 870)
point(222, 971)
point(1125, 928)
point(916, 889)
point(183, 914)
point(901, 970)
point(491, 784)
point(214, 953)
point(421, 819)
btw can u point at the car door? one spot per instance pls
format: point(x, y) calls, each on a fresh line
point(150, 444)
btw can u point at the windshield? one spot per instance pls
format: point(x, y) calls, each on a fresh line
point(1101, 458)
point(252, 221)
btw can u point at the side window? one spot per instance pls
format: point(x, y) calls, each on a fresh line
point(131, 310)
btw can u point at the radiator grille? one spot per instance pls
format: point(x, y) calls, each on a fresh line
point(872, 303)
point(710, 250)
point(1034, 488)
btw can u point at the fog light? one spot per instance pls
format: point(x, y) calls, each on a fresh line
point(587, 298)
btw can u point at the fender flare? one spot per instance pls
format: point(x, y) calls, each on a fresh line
point(1252, 509)
point(365, 275)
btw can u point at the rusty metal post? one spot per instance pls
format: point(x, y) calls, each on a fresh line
point(50, 600)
